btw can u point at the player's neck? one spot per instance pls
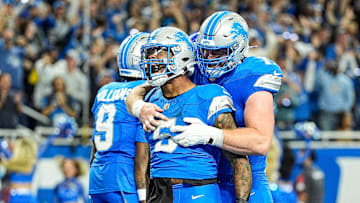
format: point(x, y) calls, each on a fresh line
point(177, 86)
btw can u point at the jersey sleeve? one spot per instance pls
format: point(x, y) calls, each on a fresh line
point(267, 82)
point(140, 133)
point(222, 103)
point(257, 83)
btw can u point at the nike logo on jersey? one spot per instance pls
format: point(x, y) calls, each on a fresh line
point(277, 73)
point(253, 193)
point(195, 197)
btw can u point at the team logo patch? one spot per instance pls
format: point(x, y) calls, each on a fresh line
point(166, 106)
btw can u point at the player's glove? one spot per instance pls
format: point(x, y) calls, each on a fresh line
point(197, 133)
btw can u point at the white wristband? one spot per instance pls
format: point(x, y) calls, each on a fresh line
point(219, 138)
point(136, 108)
point(141, 194)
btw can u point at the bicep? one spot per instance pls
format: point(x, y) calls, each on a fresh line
point(259, 112)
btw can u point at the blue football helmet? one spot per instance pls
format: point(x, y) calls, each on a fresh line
point(178, 55)
point(129, 56)
point(224, 35)
point(194, 36)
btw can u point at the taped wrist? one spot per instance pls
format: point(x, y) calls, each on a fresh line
point(141, 194)
point(136, 108)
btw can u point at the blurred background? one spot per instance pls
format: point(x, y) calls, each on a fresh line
point(55, 55)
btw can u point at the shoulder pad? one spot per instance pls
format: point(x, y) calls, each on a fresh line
point(109, 86)
point(219, 103)
point(261, 65)
point(269, 81)
point(136, 83)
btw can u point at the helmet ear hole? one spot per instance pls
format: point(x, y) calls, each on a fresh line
point(185, 59)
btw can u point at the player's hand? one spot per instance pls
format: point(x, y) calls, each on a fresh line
point(148, 113)
point(197, 133)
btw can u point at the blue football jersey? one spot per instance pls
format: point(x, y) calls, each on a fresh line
point(114, 137)
point(168, 159)
point(114, 128)
point(252, 75)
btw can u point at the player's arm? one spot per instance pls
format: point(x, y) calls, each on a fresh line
point(254, 139)
point(93, 151)
point(239, 163)
point(141, 164)
point(146, 112)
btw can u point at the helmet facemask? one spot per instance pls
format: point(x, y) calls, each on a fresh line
point(158, 63)
point(225, 35)
point(168, 53)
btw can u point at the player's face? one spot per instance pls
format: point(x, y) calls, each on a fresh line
point(160, 53)
point(214, 54)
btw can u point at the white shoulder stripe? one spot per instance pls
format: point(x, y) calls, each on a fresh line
point(269, 81)
point(220, 103)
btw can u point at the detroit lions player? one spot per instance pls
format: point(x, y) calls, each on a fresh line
point(181, 174)
point(222, 46)
point(252, 81)
point(112, 158)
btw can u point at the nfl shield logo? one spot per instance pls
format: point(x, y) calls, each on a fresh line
point(166, 106)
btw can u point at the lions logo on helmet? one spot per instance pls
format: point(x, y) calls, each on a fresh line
point(129, 56)
point(179, 51)
point(222, 43)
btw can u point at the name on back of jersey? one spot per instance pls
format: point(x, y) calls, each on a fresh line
point(108, 95)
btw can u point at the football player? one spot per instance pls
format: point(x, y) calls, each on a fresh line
point(222, 45)
point(181, 174)
point(112, 158)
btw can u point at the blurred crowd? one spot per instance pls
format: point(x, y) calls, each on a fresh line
point(55, 55)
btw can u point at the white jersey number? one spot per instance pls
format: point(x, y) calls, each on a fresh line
point(106, 127)
point(171, 145)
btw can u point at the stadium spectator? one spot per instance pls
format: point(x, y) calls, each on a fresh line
point(335, 95)
point(70, 189)
point(309, 185)
point(47, 69)
point(75, 80)
point(12, 57)
point(61, 26)
point(10, 103)
point(59, 102)
point(287, 99)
